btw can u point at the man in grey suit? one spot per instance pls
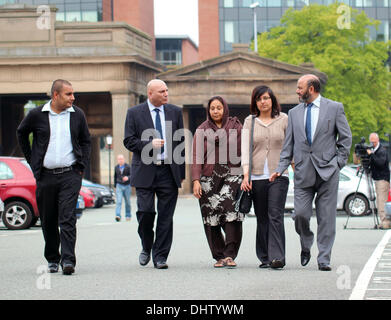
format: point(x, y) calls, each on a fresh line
point(318, 138)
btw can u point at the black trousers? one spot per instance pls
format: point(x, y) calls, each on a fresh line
point(224, 247)
point(269, 203)
point(166, 191)
point(56, 199)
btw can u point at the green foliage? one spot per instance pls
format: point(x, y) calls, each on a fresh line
point(355, 65)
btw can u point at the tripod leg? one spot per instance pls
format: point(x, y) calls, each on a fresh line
point(354, 198)
point(372, 200)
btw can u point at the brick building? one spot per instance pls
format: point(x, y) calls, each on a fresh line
point(226, 22)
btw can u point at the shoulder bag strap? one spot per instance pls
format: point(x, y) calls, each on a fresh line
point(251, 148)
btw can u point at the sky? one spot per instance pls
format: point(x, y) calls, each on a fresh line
point(176, 17)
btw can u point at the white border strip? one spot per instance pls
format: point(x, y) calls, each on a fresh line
point(361, 286)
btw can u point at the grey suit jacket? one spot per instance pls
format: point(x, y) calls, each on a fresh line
point(330, 146)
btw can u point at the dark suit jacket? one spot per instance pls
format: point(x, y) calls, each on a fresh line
point(118, 175)
point(37, 122)
point(379, 164)
point(138, 120)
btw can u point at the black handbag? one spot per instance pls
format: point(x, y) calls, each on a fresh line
point(244, 199)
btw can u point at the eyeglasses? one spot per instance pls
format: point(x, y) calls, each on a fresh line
point(265, 98)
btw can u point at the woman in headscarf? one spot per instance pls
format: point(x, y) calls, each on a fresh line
point(216, 176)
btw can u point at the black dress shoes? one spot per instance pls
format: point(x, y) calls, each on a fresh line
point(68, 269)
point(305, 258)
point(53, 267)
point(324, 267)
point(264, 265)
point(277, 264)
point(160, 265)
point(144, 258)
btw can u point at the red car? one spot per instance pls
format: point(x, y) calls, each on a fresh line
point(88, 196)
point(17, 191)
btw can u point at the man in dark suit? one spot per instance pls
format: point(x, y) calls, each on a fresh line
point(150, 133)
point(122, 187)
point(59, 154)
point(318, 139)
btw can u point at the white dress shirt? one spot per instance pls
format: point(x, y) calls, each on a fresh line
point(60, 150)
point(314, 115)
point(161, 156)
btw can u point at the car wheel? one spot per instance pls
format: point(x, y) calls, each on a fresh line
point(356, 205)
point(17, 215)
point(99, 203)
point(33, 221)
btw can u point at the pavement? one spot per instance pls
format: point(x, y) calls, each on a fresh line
point(108, 269)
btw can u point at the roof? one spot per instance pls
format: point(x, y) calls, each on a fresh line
point(239, 65)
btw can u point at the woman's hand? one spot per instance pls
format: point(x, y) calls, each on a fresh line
point(246, 186)
point(197, 189)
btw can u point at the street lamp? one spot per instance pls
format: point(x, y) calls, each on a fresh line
point(389, 143)
point(254, 6)
point(109, 141)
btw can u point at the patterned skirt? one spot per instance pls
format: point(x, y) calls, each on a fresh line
point(218, 196)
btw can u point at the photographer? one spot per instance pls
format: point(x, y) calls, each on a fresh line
point(381, 175)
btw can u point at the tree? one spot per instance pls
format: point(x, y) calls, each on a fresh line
point(355, 65)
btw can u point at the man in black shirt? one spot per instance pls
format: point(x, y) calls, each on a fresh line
point(379, 165)
point(59, 154)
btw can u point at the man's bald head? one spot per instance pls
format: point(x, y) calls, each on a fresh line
point(121, 159)
point(308, 88)
point(157, 92)
point(374, 139)
point(311, 80)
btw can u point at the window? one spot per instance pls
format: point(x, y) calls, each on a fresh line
point(229, 32)
point(228, 3)
point(288, 3)
point(246, 3)
point(274, 3)
point(2, 2)
point(169, 51)
point(342, 177)
point(382, 32)
point(5, 172)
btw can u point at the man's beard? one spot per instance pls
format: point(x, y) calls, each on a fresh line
point(304, 98)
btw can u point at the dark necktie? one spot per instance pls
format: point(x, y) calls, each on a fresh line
point(158, 125)
point(308, 124)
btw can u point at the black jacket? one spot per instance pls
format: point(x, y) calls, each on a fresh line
point(138, 121)
point(37, 122)
point(118, 175)
point(380, 165)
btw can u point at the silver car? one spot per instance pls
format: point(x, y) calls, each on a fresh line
point(348, 183)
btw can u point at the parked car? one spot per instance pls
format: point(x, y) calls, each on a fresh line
point(80, 205)
point(103, 195)
point(17, 190)
point(88, 196)
point(348, 182)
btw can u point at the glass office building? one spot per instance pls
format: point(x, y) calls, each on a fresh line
point(169, 51)
point(236, 19)
point(68, 10)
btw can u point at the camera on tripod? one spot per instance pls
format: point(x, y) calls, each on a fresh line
point(361, 151)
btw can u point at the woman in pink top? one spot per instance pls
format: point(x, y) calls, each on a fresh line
point(216, 176)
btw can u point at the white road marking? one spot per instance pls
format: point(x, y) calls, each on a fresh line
point(361, 286)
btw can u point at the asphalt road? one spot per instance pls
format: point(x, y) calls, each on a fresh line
point(107, 264)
